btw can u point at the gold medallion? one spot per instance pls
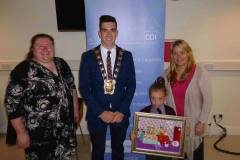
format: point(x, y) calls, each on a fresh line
point(109, 86)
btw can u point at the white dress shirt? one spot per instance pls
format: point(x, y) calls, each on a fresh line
point(104, 57)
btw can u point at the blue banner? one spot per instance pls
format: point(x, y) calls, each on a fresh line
point(141, 26)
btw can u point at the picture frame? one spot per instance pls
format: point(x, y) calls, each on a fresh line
point(159, 135)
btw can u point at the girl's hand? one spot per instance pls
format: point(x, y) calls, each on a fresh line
point(132, 136)
point(187, 131)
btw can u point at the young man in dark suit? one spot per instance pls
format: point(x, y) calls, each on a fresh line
point(107, 84)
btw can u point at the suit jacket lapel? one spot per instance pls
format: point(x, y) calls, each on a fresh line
point(98, 48)
point(116, 59)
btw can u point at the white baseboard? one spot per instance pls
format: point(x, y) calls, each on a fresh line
point(233, 130)
point(3, 129)
point(215, 130)
point(84, 130)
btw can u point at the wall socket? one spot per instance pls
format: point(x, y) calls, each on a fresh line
point(218, 118)
point(213, 129)
point(6, 66)
point(208, 65)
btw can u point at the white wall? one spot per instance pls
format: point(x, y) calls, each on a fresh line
point(19, 21)
point(212, 29)
point(210, 26)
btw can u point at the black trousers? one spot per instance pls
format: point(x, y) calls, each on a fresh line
point(98, 139)
point(198, 153)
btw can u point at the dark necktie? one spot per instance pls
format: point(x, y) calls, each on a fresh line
point(159, 110)
point(109, 66)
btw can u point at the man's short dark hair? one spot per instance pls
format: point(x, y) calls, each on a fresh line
point(106, 18)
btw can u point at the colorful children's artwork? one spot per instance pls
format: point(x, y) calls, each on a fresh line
point(159, 134)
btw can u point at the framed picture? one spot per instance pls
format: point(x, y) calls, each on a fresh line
point(160, 135)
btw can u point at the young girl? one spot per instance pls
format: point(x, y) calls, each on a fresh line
point(157, 95)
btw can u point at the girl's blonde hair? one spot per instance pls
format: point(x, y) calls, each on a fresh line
point(172, 75)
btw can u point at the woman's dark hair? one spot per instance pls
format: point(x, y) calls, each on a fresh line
point(159, 84)
point(29, 55)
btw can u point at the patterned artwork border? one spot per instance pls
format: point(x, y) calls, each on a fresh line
point(160, 135)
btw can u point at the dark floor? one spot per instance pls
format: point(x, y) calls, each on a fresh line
point(231, 143)
point(12, 152)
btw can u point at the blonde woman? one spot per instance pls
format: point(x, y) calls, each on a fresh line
point(190, 94)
